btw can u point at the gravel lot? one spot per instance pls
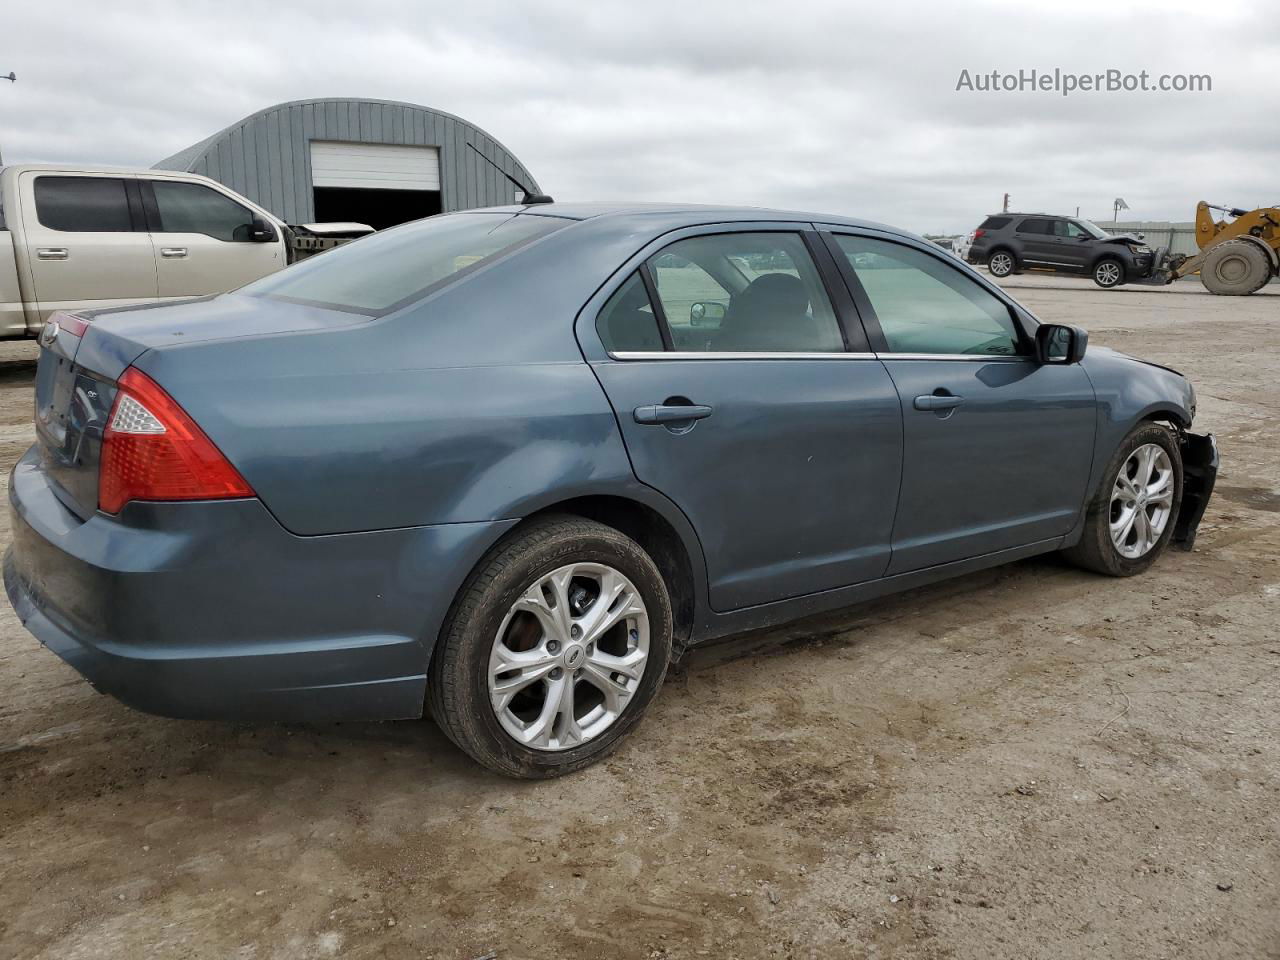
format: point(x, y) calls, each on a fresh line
point(1028, 762)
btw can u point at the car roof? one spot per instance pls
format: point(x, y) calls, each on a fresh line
point(1056, 216)
point(691, 213)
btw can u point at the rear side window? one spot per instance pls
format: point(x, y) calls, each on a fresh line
point(927, 306)
point(83, 204)
point(995, 223)
point(745, 293)
point(192, 208)
point(627, 321)
point(381, 272)
point(1035, 226)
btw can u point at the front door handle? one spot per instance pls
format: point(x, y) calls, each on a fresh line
point(51, 253)
point(173, 253)
point(934, 401)
point(671, 413)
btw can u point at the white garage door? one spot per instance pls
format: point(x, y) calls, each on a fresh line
point(377, 166)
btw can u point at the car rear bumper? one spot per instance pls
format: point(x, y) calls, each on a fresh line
point(213, 610)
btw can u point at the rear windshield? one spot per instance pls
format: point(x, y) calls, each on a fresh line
point(995, 223)
point(381, 272)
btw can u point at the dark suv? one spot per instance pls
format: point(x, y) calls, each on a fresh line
point(1010, 242)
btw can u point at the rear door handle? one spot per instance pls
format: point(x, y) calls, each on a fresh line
point(932, 401)
point(173, 253)
point(670, 413)
point(51, 253)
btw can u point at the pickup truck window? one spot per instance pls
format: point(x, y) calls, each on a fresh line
point(193, 208)
point(83, 204)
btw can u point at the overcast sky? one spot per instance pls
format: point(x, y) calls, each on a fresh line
point(844, 107)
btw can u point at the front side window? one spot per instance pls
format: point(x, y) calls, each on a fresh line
point(745, 293)
point(83, 204)
point(1075, 230)
point(927, 306)
point(384, 270)
point(627, 321)
point(193, 208)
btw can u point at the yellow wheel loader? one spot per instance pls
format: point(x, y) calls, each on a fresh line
point(1237, 257)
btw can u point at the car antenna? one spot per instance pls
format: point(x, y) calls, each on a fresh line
point(530, 197)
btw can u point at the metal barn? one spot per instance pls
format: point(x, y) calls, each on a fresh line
point(371, 161)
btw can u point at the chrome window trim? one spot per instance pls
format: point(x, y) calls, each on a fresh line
point(720, 355)
point(973, 357)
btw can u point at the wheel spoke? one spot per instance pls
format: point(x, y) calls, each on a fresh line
point(1142, 526)
point(554, 619)
point(1120, 529)
point(617, 601)
point(510, 672)
point(1125, 487)
point(1161, 492)
point(539, 732)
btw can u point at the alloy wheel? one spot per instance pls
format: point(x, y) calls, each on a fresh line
point(569, 656)
point(1107, 274)
point(1141, 501)
point(1001, 264)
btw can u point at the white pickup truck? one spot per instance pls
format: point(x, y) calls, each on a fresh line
point(76, 239)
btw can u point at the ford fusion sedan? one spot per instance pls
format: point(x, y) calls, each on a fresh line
point(504, 466)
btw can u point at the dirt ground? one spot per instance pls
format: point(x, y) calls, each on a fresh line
point(1028, 762)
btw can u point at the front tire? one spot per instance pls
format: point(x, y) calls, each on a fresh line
point(1235, 268)
point(1131, 519)
point(1108, 273)
point(553, 650)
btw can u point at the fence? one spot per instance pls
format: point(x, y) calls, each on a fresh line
point(1178, 237)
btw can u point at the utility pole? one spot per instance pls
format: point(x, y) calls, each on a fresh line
point(12, 78)
point(1005, 208)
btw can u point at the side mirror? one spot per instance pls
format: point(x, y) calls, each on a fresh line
point(1058, 343)
point(706, 314)
point(261, 232)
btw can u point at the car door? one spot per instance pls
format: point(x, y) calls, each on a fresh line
point(1076, 243)
point(86, 242)
point(748, 397)
point(997, 448)
point(1035, 237)
point(204, 239)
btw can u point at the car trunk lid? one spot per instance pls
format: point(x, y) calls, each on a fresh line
point(82, 358)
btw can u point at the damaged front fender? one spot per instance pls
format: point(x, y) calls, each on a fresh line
point(1199, 474)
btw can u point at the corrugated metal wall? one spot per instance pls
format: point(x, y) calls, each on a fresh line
point(267, 157)
point(1178, 237)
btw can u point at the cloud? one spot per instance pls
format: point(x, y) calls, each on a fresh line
point(831, 106)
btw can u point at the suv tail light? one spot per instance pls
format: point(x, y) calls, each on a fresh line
point(979, 233)
point(151, 450)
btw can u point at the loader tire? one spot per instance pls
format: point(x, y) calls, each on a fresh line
point(1236, 268)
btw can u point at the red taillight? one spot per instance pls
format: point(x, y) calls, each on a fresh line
point(979, 233)
point(151, 450)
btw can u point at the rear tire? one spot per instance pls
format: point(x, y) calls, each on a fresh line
point(540, 586)
point(1001, 263)
point(1236, 268)
point(1111, 506)
point(1108, 273)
